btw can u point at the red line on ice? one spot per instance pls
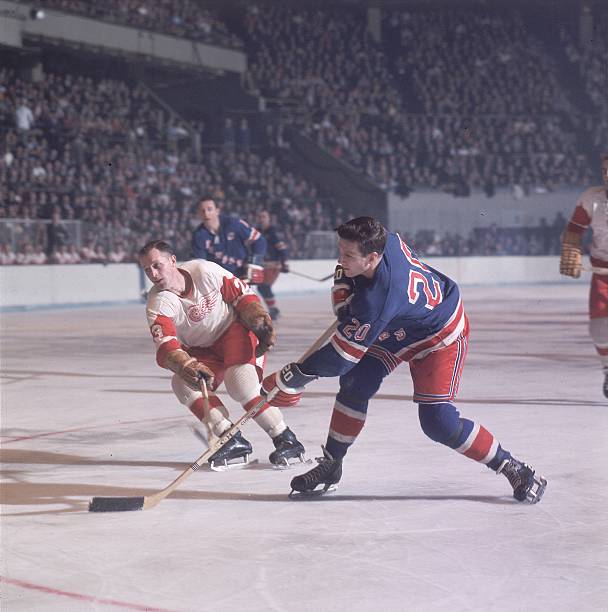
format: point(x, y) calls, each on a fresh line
point(80, 596)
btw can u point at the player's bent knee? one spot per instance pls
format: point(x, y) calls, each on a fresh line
point(440, 422)
point(242, 383)
point(359, 385)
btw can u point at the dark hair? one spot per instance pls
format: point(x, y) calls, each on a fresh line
point(368, 233)
point(160, 245)
point(208, 196)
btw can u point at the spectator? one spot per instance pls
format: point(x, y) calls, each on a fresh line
point(24, 118)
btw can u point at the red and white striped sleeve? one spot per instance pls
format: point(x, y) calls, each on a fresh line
point(237, 293)
point(160, 313)
point(581, 217)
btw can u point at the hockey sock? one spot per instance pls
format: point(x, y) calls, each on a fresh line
point(270, 420)
point(243, 385)
point(598, 330)
point(350, 409)
point(442, 423)
point(346, 424)
point(217, 419)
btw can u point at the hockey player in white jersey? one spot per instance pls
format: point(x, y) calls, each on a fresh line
point(206, 323)
point(591, 211)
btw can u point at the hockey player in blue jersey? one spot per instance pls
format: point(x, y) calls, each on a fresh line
point(229, 242)
point(275, 261)
point(392, 308)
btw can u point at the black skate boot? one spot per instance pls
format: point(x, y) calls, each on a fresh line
point(287, 447)
point(527, 486)
point(235, 453)
point(605, 387)
point(274, 313)
point(327, 473)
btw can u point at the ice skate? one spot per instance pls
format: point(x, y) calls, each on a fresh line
point(274, 313)
point(527, 485)
point(234, 454)
point(605, 386)
point(288, 450)
point(327, 474)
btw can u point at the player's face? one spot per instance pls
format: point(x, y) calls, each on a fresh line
point(605, 171)
point(353, 262)
point(209, 214)
point(160, 268)
point(263, 219)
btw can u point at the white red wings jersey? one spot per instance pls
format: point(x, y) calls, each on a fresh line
point(592, 211)
point(212, 298)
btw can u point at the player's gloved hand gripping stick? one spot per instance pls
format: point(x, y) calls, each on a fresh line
point(285, 387)
point(124, 504)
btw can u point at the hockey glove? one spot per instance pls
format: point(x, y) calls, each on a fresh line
point(254, 274)
point(571, 260)
point(256, 319)
point(341, 293)
point(189, 369)
point(290, 381)
point(254, 271)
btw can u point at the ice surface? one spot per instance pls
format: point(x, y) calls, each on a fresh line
point(413, 526)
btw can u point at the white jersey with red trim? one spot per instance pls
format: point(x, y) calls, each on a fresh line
point(199, 318)
point(592, 211)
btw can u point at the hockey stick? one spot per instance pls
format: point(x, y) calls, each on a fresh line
point(210, 435)
point(319, 280)
point(595, 270)
point(125, 504)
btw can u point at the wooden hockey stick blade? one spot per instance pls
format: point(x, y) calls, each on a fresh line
point(320, 280)
point(127, 504)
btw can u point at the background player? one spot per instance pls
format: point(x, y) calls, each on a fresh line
point(275, 261)
point(207, 323)
point(591, 211)
point(229, 242)
point(393, 308)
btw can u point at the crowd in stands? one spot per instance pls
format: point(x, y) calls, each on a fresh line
point(588, 57)
point(183, 18)
point(96, 152)
point(470, 102)
point(448, 99)
point(541, 239)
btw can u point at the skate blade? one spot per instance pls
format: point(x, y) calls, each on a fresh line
point(236, 464)
point(313, 493)
point(294, 462)
point(537, 491)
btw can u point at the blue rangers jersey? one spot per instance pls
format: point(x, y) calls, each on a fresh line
point(406, 311)
point(277, 248)
point(234, 244)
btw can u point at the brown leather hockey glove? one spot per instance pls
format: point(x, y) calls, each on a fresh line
point(571, 260)
point(189, 369)
point(255, 318)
